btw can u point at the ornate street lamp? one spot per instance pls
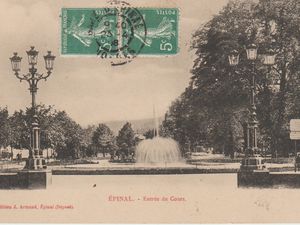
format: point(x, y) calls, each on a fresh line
point(251, 51)
point(35, 159)
point(250, 162)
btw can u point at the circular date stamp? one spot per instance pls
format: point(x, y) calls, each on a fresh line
point(117, 40)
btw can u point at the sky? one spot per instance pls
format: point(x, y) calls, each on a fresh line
point(89, 89)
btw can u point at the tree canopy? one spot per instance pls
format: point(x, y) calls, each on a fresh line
point(214, 107)
point(126, 139)
point(103, 138)
point(58, 130)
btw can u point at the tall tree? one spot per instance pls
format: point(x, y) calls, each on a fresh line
point(66, 136)
point(126, 139)
point(87, 143)
point(103, 139)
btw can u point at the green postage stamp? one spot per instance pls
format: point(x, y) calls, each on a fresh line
point(119, 32)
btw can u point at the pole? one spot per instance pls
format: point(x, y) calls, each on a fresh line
point(295, 155)
point(33, 92)
point(248, 139)
point(253, 119)
point(252, 135)
point(12, 153)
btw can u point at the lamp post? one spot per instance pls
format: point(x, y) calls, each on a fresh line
point(250, 162)
point(35, 159)
point(252, 123)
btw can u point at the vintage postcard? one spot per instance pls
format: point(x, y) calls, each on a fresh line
point(149, 111)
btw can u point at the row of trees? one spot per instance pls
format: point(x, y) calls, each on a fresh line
point(63, 134)
point(214, 107)
point(122, 146)
point(58, 131)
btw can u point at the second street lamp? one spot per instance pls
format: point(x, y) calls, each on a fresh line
point(250, 162)
point(251, 139)
point(252, 123)
point(35, 159)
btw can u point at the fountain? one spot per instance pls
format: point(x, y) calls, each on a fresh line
point(158, 149)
